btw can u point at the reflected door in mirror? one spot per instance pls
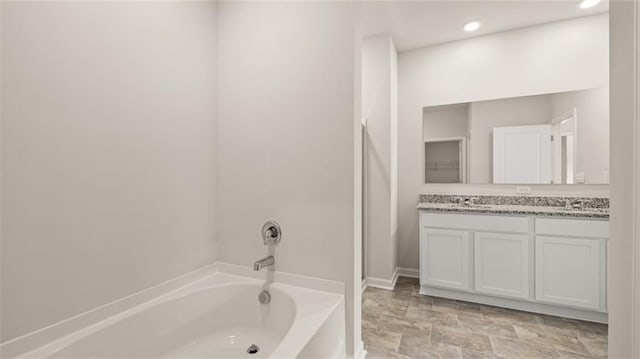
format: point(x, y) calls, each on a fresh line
point(522, 154)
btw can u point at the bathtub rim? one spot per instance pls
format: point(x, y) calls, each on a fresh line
point(36, 340)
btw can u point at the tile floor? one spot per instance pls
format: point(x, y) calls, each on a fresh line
point(405, 324)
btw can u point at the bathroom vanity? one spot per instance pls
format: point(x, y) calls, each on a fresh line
point(538, 254)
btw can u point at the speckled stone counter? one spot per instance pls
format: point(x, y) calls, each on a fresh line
point(551, 206)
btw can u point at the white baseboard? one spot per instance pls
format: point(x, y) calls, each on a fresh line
point(360, 353)
point(408, 272)
point(382, 283)
point(390, 284)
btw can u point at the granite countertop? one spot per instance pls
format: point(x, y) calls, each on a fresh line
point(597, 208)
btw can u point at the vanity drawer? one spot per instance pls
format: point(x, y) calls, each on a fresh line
point(474, 222)
point(572, 227)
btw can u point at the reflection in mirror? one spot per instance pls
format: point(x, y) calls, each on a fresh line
point(445, 160)
point(558, 138)
point(564, 155)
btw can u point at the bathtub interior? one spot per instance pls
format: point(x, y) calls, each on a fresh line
point(216, 322)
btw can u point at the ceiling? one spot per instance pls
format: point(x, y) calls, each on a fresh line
point(415, 24)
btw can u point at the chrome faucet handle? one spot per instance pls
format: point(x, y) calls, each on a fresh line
point(271, 233)
point(469, 201)
point(579, 203)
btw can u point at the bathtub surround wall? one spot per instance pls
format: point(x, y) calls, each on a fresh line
point(292, 64)
point(515, 63)
point(380, 110)
point(46, 335)
point(108, 152)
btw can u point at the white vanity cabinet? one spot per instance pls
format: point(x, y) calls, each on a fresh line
point(502, 264)
point(571, 262)
point(539, 264)
point(445, 258)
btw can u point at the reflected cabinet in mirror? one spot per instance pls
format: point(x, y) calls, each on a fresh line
point(558, 138)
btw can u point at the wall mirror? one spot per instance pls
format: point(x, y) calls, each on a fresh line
point(557, 138)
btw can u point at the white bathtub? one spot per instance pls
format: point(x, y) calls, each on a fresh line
point(218, 316)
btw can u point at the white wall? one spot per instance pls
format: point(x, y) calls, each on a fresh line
point(108, 152)
point(445, 122)
point(379, 63)
point(624, 313)
point(592, 107)
point(509, 64)
point(286, 121)
point(485, 115)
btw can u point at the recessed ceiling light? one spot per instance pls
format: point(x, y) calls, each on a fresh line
point(474, 25)
point(585, 4)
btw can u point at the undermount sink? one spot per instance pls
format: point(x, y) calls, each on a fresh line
point(480, 206)
point(472, 206)
point(587, 209)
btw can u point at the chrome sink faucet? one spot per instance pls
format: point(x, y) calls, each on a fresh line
point(568, 204)
point(575, 204)
point(469, 201)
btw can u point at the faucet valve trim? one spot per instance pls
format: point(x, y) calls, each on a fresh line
point(271, 233)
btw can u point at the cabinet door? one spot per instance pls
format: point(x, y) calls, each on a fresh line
point(568, 271)
point(444, 258)
point(502, 264)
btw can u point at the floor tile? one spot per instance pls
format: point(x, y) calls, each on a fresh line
point(418, 347)
point(425, 314)
point(385, 306)
point(403, 324)
point(570, 355)
point(596, 346)
point(565, 340)
point(522, 349)
point(462, 338)
point(381, 340)
point(382, 354)
point(479, 325)
point(444, 305)
point(502, 315)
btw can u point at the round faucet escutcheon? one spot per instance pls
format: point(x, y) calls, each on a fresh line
point(271, 233)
